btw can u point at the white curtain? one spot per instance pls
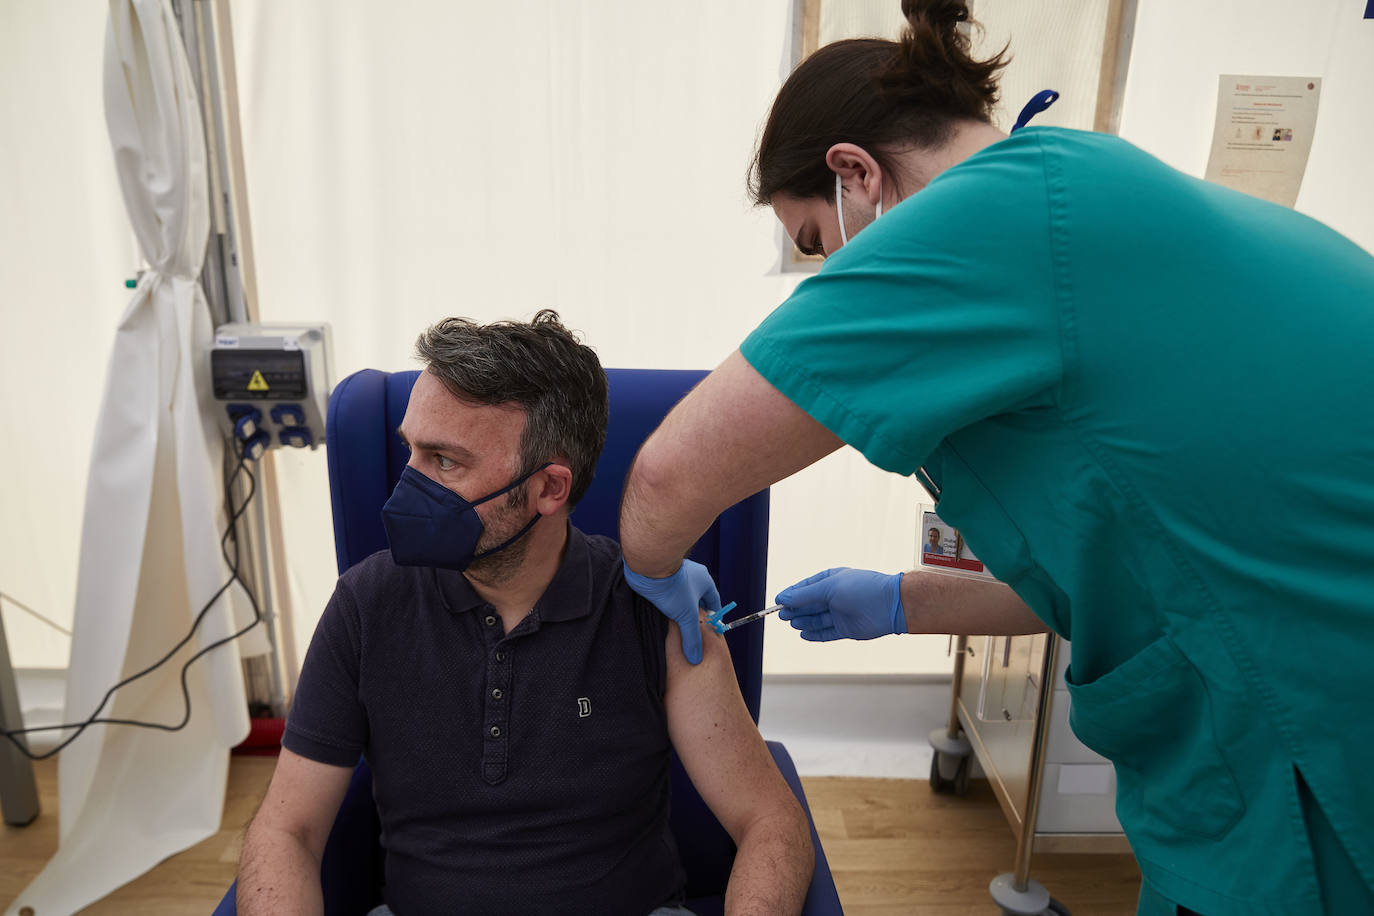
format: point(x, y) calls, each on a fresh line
point(150, 556)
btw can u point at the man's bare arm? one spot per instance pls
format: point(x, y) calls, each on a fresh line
point(936, 603)
point(733, 435)
point(730, 766)
point(279, 870)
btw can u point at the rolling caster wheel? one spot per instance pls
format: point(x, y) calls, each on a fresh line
point(950, 762)
point(960, 785)
point(949, 775)
point(937, 782)
point(1056, 908)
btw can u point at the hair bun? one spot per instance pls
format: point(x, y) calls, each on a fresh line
point(942, 15)
point(934, 66)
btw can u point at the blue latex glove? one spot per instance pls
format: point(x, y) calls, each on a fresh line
point(845, 603)
point(678, 598)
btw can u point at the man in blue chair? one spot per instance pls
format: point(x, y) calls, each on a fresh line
point(516, 701)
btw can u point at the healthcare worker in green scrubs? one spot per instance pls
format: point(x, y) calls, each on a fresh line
point(1146, 401)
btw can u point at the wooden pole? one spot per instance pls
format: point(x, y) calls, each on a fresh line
point(1116, 58)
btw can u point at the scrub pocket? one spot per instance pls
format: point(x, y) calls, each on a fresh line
point(1152, 717)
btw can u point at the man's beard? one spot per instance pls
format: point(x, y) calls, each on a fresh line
point(499, 527)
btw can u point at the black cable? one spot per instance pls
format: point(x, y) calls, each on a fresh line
point(233, 563)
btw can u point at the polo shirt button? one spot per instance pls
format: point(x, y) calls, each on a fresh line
point(491, 620)
point(500, 656)
point(496, 693)
point(496, 731)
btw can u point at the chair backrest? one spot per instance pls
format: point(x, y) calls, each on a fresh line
point(366, 458)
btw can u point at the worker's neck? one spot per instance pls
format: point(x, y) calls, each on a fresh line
point(919, 167)
point(970, 137)
point(514, 592)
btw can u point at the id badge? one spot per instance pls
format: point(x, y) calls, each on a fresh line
point(941, 549)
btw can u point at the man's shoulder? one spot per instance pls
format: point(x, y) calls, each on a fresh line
point(607, 566)
point(378, 576)
point(374, 567)
point(603, 553)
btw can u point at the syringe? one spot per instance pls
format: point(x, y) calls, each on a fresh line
point(750, 618)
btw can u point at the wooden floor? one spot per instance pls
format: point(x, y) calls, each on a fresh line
point(894, 848)
point(898, 849)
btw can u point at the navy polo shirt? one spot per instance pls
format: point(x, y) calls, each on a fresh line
point(519, 772)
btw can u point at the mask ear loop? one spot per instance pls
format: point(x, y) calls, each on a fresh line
point(511, 540)
point(839, 208)
point(523, 531)
point(510, 486)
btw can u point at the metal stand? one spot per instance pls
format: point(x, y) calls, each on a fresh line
point(263, 677)
point(230, 283)
point(949, 766)
point(1014, 891)
point(271, 621)
point(18, 790)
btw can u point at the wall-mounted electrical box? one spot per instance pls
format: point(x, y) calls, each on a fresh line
point(273, 382)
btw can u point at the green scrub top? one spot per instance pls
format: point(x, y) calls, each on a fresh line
point(1149, 403)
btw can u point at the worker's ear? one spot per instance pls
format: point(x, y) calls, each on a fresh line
point(854, 165)
point(552, 487)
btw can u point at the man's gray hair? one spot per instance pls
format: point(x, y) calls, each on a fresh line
point(539, 365)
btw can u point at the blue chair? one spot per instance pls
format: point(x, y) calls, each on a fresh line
point(365, 461)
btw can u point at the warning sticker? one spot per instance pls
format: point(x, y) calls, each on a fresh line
point(257, 382)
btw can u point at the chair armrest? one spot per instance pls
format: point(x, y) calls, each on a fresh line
point(229, 905)
point(821, 898)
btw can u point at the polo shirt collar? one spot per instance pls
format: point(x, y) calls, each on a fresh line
point(567, 597)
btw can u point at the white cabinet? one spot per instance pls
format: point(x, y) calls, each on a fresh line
point(1000, 701)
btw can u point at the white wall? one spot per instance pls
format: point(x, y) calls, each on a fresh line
point(1180, 50)
point(65, 251)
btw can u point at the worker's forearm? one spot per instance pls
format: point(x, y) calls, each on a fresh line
point(936, 603)
point(772, 868)
point(278, 875)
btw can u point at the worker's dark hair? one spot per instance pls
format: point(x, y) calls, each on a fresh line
point(542, 367)
point(880, 95)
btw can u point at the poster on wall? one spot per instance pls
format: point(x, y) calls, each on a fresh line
point(1263, 134)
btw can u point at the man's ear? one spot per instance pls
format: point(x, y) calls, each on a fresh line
point(554, 488)
point(854, 165)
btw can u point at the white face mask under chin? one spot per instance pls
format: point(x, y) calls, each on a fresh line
point(839, 206)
